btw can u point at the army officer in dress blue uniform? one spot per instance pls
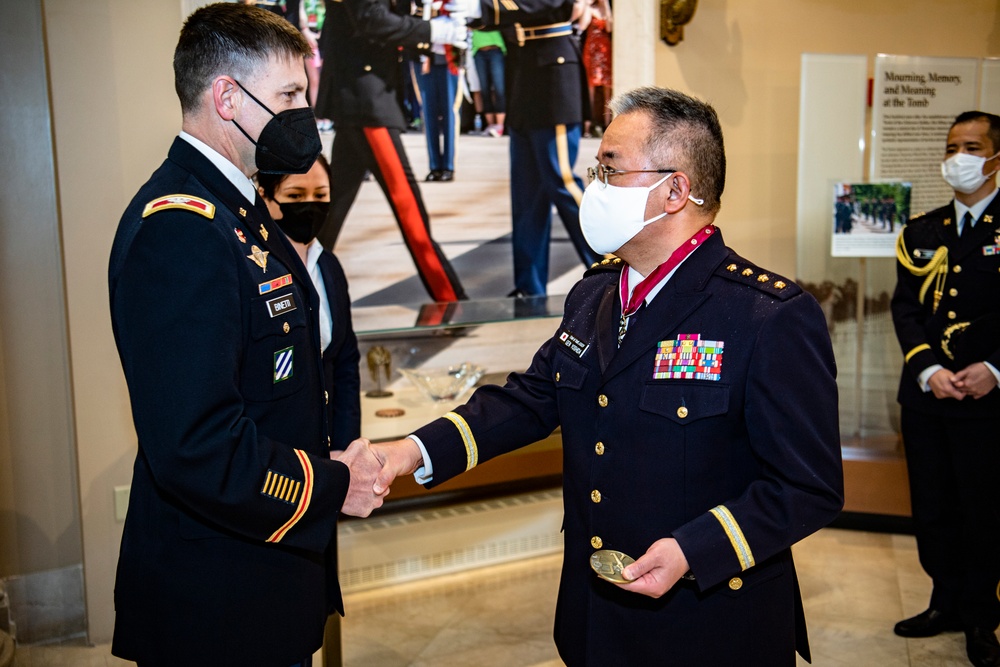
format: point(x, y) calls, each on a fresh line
point(227, 553)
point(697, 399)
point(946, 309)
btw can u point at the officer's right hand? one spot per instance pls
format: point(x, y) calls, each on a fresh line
point(364, 467)
point(942, 383)
point(448, 31)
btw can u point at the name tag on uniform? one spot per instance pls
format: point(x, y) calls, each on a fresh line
point(990, 250)
point(280, 305)
point(572, 343)
point(924, 253)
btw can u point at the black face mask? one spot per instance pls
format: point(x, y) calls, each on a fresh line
point(289, 143)
point(301, 220)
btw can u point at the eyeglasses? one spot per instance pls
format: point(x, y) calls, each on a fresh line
point(602, 172)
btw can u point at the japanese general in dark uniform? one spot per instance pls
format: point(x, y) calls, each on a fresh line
point(736, 464)
point(698, 408)
point(227, 553)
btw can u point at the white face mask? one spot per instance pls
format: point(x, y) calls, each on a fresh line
point(964, 172)
point(611, 215)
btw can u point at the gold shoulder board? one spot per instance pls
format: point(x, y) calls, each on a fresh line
point(186, 202)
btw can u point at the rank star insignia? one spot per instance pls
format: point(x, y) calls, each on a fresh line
point(947, 221)
point(243, 212)
point(259, 257)
point(239, 234)
point(263, 231)
point(988, 218)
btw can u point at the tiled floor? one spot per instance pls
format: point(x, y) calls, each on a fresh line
point(855, 585)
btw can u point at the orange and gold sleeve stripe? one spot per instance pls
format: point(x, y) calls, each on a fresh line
point(304, 499)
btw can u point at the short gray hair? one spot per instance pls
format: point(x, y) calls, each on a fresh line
point(685, 131)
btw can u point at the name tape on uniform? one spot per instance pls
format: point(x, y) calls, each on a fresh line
point(280, 305)
point(572, 343)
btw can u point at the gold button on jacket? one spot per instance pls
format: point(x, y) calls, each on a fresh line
point(595, 496)
point(599, 448)
point(602, 401)
point(735, 583)
point(596, 542)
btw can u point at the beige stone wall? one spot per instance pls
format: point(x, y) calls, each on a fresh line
point(115, 114)
point(744, 57)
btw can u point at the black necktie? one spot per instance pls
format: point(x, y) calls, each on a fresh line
point(966, 223)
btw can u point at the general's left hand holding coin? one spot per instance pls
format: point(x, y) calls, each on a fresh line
point(656, 571)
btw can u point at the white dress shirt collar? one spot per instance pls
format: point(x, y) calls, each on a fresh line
point(228, 169)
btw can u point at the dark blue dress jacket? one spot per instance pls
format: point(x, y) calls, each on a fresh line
point(228, 552)
point(737, 462)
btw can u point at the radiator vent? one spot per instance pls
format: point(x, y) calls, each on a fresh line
point(419, 544)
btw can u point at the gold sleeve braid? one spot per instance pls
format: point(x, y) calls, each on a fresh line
point(936, 270)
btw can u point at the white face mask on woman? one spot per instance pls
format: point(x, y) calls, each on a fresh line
point(964, 172)
point(611, 216)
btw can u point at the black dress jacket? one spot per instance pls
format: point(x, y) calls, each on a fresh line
point(963, 327)
point(341, 357)
point(736, 458)
point(226, 555)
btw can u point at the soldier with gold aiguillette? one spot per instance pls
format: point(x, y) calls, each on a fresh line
point(946, 309)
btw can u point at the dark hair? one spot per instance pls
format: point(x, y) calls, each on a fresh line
point(993, 133)
point(269, 183)
point(233, 39)
point(686, 133)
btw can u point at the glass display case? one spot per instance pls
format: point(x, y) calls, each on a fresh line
point(491, 337)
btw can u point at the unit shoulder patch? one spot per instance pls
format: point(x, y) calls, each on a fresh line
point(185, 202)
point(739, 270)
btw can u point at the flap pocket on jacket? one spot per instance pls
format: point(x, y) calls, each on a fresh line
point(685, 402)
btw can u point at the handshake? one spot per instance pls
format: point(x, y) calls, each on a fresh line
point(452, 29)
point(373, 468)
